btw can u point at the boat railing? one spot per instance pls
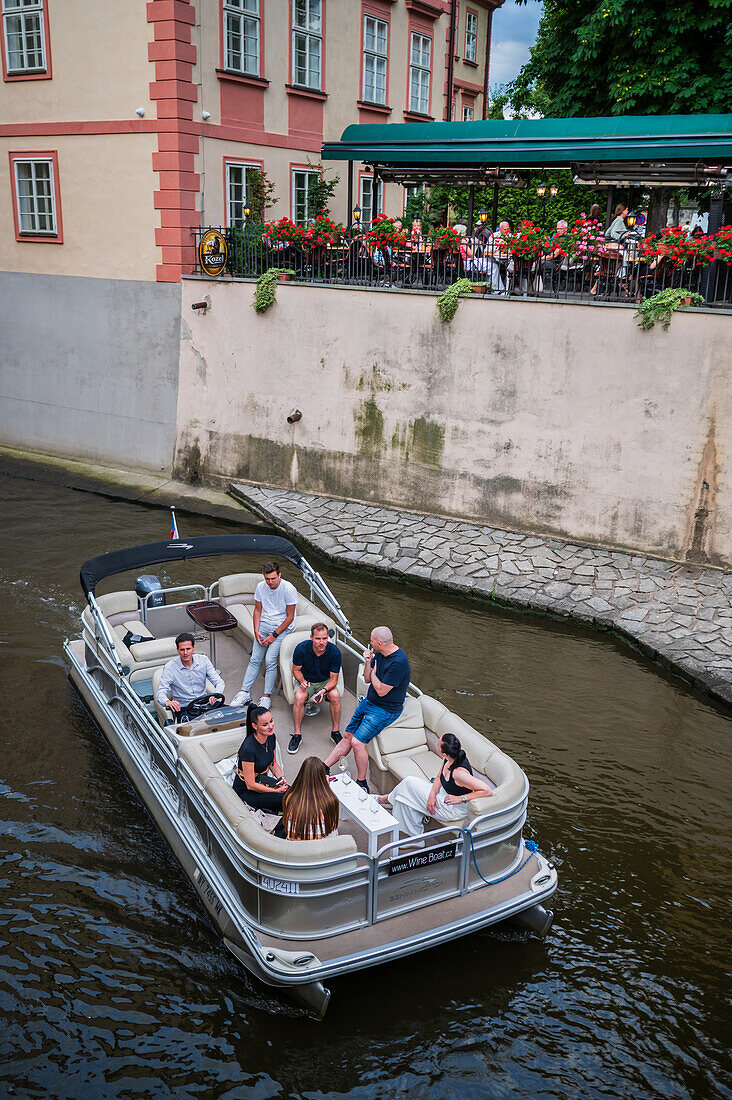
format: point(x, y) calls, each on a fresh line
point(163, 611)
point(356, 648)
point(327, 897)
point(318, 585)
point(102, 633)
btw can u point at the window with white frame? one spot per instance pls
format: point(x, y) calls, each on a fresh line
point(471, 36)
point(411, 193)
point(419, 73)
point(375, 37)
point(371, 204)
point(303, 207)
point(307, 43)
point(25, 48)
point(241, 36)
point(468, 112)
point(237, 191)
point(34, 189)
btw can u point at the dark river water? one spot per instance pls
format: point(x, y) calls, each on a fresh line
point(114, 984)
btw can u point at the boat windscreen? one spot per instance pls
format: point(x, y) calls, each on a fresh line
point(207, 546)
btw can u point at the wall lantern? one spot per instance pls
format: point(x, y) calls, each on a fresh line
point(483, 216)
point(553, 190)
point(631, 220)
point(357, 214)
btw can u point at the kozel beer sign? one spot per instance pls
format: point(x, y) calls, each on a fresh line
point(213, 252)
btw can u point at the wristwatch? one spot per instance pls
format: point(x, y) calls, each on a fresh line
point(465, 798)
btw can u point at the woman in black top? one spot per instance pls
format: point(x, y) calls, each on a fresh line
point(259, 780)
point(446, 799)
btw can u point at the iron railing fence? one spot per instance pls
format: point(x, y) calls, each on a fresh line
point(614, 273)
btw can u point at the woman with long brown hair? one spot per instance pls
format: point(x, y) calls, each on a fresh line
point(309, 807)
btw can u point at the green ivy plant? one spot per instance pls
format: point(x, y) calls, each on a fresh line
point(265, 294)
point(659, 308)
point(449, 300)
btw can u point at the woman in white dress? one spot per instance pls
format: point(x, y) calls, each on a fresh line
point(446, 799)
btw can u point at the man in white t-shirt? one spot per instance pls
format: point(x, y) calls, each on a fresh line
point(275, 603)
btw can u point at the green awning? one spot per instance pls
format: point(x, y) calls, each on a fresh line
point(536, 143)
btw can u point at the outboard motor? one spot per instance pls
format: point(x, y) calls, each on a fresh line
point(147, 584)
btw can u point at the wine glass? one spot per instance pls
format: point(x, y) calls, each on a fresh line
point(345, 774)
point(374, 807)
point(362, 794)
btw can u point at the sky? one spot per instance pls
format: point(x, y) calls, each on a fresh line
point(514, 32)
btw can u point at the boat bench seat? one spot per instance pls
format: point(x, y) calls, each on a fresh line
point(236, 593)
point(163, 715)
point(202, 754)
point(120, 611)
point(408, 748)
point(288, 681)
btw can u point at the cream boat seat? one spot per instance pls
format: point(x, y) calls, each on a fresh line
point(121, 612)
point(202, 755)
point(236, 593)
point(162, 713)
point(408, 747)
point(289, 683)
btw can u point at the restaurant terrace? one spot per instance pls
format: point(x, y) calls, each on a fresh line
point(593, 259)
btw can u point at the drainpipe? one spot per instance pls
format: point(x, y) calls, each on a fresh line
point(451, 61)
point(487, 62)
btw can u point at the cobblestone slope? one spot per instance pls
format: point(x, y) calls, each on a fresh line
point(680, 615)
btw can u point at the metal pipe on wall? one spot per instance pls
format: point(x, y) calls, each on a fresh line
point(451, 61)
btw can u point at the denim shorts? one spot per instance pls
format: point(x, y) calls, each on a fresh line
point(369, 720)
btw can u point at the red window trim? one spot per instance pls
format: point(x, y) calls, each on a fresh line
point(465, 36)
point(244, 162)
point(240, 78)
point(365, 174)
point(231, 74)
point(429, 9)
point(31, 154)
point(307, 93)
point(297, 167)
point(47, 74)
point(376, 9)
point(377, 108)
point(416, 26)
point(298, 89)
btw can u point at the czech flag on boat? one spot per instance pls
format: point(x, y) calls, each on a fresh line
point(173, 526)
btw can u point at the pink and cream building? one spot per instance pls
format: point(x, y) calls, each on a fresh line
point(126, 124)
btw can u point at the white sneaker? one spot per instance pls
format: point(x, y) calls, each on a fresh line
point(265, 701)
point(241, 699)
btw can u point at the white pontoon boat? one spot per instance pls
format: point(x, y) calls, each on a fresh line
point(296, 913)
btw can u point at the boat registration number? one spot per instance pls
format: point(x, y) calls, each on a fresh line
point(279, 886)
point(418, 860)
point(208, 893)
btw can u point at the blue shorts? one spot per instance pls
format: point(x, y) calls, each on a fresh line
point(369, 720)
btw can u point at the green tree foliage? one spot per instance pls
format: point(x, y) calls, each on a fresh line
point(619, 57)
point(260, 194)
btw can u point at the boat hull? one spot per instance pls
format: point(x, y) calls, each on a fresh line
point(299, 973)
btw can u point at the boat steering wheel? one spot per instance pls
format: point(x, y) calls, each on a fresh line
point(199, 706)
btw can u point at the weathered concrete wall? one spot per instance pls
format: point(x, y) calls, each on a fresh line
point(548, 417)
point(90, 367)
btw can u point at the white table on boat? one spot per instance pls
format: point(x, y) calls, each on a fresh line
point(376, 825)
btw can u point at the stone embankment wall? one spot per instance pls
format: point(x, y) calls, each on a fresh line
point(89, 367)
point(554, 418)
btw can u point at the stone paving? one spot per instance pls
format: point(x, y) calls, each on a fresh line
point(680, 615)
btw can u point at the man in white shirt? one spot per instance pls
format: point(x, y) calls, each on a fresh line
point(184, 678)
point(275, 603)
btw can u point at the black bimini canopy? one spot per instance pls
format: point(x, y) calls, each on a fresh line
point(209, 546)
